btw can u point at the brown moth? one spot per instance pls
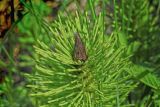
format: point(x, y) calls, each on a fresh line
point(79, 49)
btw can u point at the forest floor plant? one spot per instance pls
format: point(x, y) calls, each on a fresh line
point(107, 55)
point(60, 79)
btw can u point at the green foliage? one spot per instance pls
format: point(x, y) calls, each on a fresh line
point(138, 21)
point(30, 25)
point(12, 92)
point(122, 68)
point(59, 80)
point(17, 97)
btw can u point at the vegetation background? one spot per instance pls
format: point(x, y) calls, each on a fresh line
point(121, 38)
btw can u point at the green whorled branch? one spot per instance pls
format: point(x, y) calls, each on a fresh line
point(61, 81)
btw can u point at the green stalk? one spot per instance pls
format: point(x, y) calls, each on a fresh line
point(91, 5)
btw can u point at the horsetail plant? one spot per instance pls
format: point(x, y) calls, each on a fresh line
point(90, 71)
